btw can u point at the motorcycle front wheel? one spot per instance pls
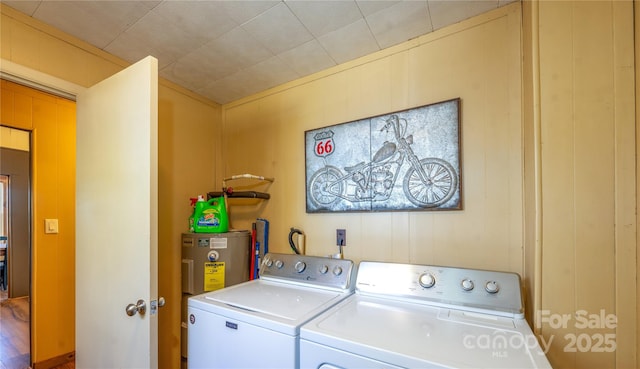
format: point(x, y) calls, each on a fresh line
point(441, 183)
point(324, 187)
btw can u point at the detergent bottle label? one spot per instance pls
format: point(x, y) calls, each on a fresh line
point(209, 218)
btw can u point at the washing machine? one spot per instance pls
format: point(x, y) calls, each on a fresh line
point(421, 316)
point(211, 261)
point(256, 324)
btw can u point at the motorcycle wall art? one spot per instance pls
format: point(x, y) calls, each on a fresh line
point(407, 160)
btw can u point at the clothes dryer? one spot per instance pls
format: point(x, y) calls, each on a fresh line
point(422, 316)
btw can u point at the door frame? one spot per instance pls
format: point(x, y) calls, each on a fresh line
point(19, 166)
point(44, 82)
point(39, 80)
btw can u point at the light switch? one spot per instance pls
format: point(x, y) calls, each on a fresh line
point(51, 226)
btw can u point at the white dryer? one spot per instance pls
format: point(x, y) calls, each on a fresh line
point(256, 324)
point(421, 316)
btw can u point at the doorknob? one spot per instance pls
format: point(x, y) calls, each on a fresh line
point(161, 301)
point(139, 307)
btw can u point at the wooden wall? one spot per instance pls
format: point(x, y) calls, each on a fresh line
point(588, 182)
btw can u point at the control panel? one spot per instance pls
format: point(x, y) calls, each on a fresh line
point(315, 270)
point(460, 288)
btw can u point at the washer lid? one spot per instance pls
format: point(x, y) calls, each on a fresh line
point(280, 300)
point(414, 335)
point(281, 307)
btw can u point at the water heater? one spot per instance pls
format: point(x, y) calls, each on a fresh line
point(211, 261)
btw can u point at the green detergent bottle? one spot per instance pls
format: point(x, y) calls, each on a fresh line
point(210, 216)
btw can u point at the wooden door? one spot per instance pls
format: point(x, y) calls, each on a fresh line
point(116, 220)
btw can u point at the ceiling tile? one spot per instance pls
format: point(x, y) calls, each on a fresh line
point(243, 11)
point(96, 22)
point(222, 91)
point(213, 63)
point(400, 22)
point(183, 79)
point(350, 42)
point(368, 7)
point(25, 6)
point(322, 17)
point(205, 20)
point(272, 72)
point(445, 12)
point(233, 87)
point(278, 29)
point(239, 47)
point(476, 7)
point(307, 58)
point(167, 39)
point(130, 48)
point(199, 68)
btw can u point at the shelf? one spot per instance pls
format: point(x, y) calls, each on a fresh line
point(241, 195)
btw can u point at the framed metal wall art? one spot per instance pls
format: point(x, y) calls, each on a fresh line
point(407, 160)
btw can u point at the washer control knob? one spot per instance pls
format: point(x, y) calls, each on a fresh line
point(427, 280)
point(300, 266)
point(279, 264)
point(337, 271)
point(324, 269)
point(467, 284)
point(492, 287)
point(268, 262)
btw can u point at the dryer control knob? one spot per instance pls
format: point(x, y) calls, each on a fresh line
point(467, 284)
point(279, 264)
point(300, 266)
point(427, 280)
point(268, 262)
point(324, 269)
point(492, 287)
point(337, 271)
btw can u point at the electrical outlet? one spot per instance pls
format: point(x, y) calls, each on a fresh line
point(341, 237)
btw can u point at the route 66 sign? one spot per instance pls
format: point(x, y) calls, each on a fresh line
point(324, 145)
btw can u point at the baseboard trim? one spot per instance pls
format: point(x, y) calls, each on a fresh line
point(55, 361)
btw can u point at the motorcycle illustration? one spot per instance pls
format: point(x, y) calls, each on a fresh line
point(428, 183)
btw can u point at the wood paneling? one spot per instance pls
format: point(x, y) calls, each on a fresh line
point(588, 182)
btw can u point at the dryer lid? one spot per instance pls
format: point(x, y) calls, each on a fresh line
point(414, 335)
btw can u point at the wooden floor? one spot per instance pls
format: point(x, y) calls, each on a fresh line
point(14, 334)
point(71, 365)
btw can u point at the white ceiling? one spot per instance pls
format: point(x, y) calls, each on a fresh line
point(226, 50)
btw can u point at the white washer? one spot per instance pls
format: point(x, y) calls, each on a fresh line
point(420, 316)
point(256, 324)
